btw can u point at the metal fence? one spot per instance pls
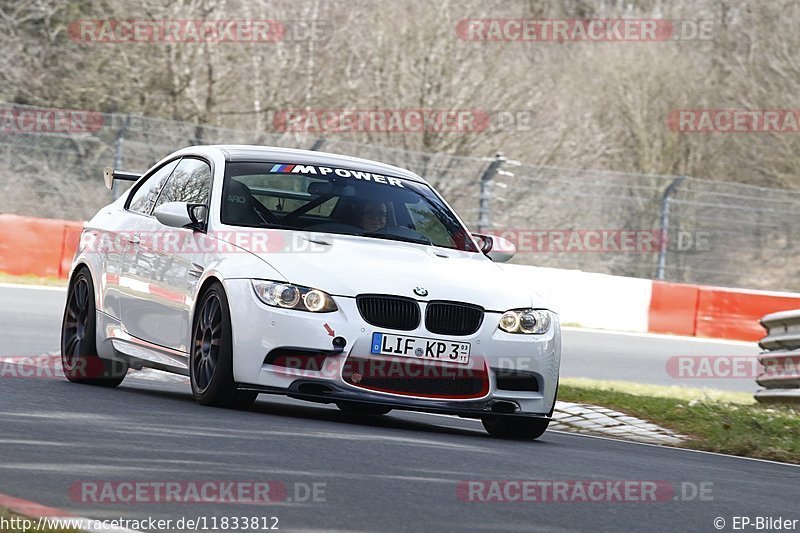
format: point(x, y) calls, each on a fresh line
point(780, 359)
point(708, 231)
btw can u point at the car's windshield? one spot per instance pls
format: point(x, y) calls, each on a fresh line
point(338, 200)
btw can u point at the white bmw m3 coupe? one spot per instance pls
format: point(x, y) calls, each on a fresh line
point(257, 270)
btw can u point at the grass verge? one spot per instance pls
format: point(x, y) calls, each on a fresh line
point(678, 392)
point(712, 424)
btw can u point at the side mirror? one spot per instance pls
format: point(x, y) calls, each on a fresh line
point(498, 249)
point(198, 213)
point(181, 214)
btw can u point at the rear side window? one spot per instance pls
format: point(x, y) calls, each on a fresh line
point(145, 195)
point(190, 182)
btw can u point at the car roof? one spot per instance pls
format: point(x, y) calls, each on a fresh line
point(244, 152)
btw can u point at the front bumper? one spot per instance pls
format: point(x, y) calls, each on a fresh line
point(259, 329)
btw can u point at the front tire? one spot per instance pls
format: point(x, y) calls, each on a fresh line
point(79, 358)
point(515, 427)
point(211, 358)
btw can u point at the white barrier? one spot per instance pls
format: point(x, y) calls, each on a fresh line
point(588, 299)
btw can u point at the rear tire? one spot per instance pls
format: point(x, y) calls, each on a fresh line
point(515, 427)
point(211, 357)
point(79, 358)
point(362, 408)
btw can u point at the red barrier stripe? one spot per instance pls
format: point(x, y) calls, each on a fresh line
point(714, 312)
point(36, 246)
point(673, 308)
point(734, 314)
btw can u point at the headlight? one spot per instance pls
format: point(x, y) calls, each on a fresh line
point(528, 321)
point(315, 300)
point(288, 296)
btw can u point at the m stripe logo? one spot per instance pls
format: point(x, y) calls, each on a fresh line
point(281, 168)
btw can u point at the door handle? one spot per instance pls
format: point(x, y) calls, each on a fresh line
point(133, 238)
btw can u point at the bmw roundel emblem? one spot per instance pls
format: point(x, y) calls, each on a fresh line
point(419, 291)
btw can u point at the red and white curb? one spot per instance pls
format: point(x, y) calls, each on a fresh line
point(42, 517)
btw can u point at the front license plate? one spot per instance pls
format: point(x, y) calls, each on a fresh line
point(419, 348)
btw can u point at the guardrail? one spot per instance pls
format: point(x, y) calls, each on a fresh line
point(780, 359)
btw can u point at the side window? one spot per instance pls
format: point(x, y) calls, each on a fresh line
point(145, 196)
point(190, 182)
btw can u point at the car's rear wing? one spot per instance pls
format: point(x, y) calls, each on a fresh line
point(109, 175)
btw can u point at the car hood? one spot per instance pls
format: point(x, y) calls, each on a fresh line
point(344, 265)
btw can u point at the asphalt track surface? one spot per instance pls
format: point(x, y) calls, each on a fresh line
point(394, 473)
